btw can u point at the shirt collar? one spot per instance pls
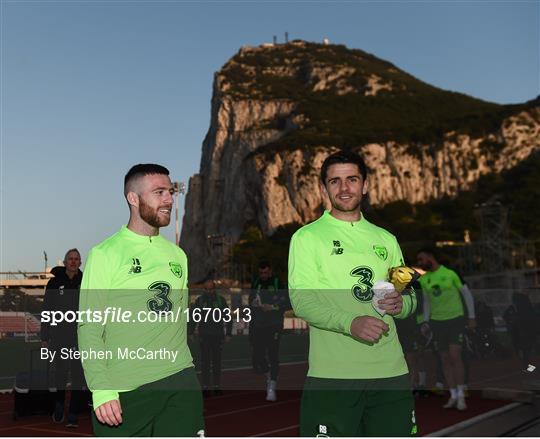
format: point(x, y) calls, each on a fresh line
point(362, 222)
point(135, 236)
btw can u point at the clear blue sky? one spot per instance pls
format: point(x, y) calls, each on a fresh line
point(91, 88)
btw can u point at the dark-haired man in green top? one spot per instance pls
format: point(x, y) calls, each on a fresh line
point(357, 382)
point(442, 289)
point(140, 369)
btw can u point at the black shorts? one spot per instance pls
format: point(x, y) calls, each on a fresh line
point(447, 332)
point(410, 337)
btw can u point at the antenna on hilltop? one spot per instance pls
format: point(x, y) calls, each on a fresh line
point(286, 37)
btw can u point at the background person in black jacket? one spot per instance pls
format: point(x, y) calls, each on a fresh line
point(212, 326)
point(62, 294)
point(521, 323)
point(268, 301)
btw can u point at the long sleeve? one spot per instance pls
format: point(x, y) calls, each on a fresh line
point(308, 303)
point(465, 292)
point(426, 308)
point(468, 299)
point(95, 287)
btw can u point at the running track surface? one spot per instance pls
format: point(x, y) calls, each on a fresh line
point(243, 411)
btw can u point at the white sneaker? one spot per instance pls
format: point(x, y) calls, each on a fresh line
point(461, 404)
point(271, 391)
point(451, 403)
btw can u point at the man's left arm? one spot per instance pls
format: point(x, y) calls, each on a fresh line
point(467, 298)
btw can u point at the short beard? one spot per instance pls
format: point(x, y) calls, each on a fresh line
point(151, 217)
point(336, 206)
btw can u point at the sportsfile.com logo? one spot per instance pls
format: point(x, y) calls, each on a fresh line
point(120, 315)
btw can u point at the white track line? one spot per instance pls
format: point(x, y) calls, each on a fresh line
point(471, 421)
point(24, 426)
point(244, 360)
point(32, 425)
point(270, 404)
point(230, 395)
point(292, 363)
point(276, 431)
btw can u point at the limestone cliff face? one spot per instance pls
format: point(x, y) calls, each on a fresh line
point(242, 182)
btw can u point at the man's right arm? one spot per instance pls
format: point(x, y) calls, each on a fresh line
point(95, 288)
point(307, 301)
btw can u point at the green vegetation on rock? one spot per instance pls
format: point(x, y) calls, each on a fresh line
point(412, 111)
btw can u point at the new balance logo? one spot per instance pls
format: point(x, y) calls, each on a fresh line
point(337, 250)
point(136, 267)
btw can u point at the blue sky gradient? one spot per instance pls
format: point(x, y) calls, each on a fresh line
point(89, 88)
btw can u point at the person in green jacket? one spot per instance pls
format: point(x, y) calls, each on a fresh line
point(268, 301)
point(139, 368)
point(357, 382)
point(444, 313)
point(210, 316)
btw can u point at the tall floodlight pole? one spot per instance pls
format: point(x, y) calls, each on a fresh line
point(179, 188)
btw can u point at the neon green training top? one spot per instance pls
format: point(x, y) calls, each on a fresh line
point(442, 288)
point(143, 275)
point(332, 266)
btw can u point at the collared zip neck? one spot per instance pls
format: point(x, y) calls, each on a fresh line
point(361, 223)
point(130, 234)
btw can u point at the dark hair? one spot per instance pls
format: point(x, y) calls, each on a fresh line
point(429, 251)
point(141, 170)
point(343, 156)
point(265, 263)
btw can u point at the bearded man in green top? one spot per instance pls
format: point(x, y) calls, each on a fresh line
point(357, 382)
point(140, 372)
point(443, 291)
